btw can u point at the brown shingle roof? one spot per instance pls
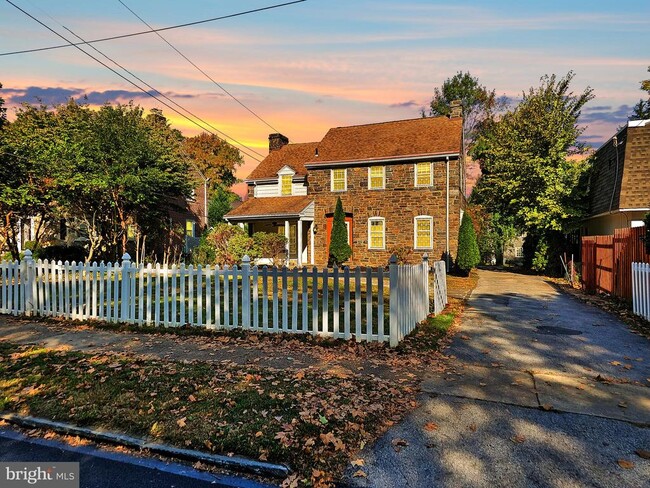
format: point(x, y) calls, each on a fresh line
point(269, 207)
point(423, 136)
point(292, 155)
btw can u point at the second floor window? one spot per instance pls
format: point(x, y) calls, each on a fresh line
point(339, 182)
point(423, 174)
point(376, 177)
point(286, 184)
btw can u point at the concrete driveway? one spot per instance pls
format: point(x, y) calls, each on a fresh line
point(543, 391)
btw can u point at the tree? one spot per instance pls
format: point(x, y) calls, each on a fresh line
point(642, 109)
point(468, 255)
point(527, 175)
point(479, 104)
point(220, 204)
point(3, 111)
point(215, 158)
point(339, 251)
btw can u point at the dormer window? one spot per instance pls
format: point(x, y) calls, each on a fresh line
point(286, 185)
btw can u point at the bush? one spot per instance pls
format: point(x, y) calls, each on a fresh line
point(647, 233)
point(270, 245)
point(468, 255)
point(238, 246)
point(60, 252)
point(339, 251)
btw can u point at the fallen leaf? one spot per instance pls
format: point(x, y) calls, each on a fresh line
point(642, 453)
point(358, 462)
point(360, 474)
point(181, 422)
point(191, 398)
point(472, 427)
point(483, 384)
point(615, 363)
point(430, 426)
point(465, 338)
point(547, 407)
point(398, 443)
point(622, 404)
point(625, 464)
point(518, 439)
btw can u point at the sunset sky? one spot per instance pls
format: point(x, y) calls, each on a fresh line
point(318, 64)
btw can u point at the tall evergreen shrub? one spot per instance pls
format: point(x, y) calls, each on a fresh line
point(339, 251)
point(468, 255)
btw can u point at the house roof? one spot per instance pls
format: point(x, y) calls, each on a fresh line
point(620, 176)
point(292, 155)
point(270, 207)
point(387, 140)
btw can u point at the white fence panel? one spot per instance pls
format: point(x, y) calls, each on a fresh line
point(375, 305)
point(641, 289)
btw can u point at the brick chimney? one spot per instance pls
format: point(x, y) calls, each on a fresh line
point(277, 141)
point(456, 109)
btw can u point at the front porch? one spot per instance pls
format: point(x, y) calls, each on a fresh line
point(292, 217)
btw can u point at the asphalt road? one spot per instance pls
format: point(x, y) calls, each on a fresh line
point(104, 469)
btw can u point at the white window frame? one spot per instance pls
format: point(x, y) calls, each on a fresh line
point(383, 177)
point(383, 223)
point(345, 179)
point(415, 231)
point(281, 177)
point(415, 174)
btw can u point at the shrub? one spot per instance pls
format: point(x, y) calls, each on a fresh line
point(647, 233)
point(270, 245)
point(239, 245)
point(468, 255)
point(60, 252)
point(339, 251)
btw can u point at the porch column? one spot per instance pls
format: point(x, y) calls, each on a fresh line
point(287, 234)
point(311, 243)
point(299, 231)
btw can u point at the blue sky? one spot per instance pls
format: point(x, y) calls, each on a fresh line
point(318, 64)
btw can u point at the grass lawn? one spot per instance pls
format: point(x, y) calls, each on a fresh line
point(309, 419)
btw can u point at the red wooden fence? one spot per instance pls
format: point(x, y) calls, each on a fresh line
point(607, 261)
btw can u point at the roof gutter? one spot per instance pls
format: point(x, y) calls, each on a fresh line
point(361, 162)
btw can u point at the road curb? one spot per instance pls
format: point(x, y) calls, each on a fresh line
point(238, 464)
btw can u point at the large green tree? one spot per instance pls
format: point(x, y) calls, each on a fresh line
point(220, 204)
point(468, 256)
point(479, 105)
point(641, 110)
point(103, 170)
point(215, 158)
point(528, 174)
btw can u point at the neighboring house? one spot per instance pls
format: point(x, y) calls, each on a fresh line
point(619, 187)
point(401, 183)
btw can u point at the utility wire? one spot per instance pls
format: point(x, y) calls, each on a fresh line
point(136, 85)
point(198, 68)
point(177, 26)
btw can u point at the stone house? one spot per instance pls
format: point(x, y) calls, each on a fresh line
point(402, 185)
point(619, 186)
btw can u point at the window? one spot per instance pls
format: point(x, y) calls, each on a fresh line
point(423, 174)
point(376, 177)
point(339, 180)
point(423, 232)
point(376, 233)
point(286, 183)
point(190, 228)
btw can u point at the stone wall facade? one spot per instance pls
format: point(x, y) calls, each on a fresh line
point(398, 204)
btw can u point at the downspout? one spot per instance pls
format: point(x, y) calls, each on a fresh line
point(447, 219)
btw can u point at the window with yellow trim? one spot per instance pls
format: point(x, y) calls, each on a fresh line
point(376, 175)
point(339, 182)
point(376, 233)
point(190, 228)
point(423, 174)
point(286, 184)
point(423, 232)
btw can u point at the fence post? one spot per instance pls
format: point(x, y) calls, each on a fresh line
point(126, 288)
point(427, 302)
point(245, 291)
point(392, 302)
point(28, 281)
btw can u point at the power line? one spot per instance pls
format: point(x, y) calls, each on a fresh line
point(136, 85)
point(198, 68)
point(140, 33)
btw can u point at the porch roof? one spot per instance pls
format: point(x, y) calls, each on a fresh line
point(269, 208)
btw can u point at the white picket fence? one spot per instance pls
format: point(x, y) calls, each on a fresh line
point(371, 305)
point(641, 289)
